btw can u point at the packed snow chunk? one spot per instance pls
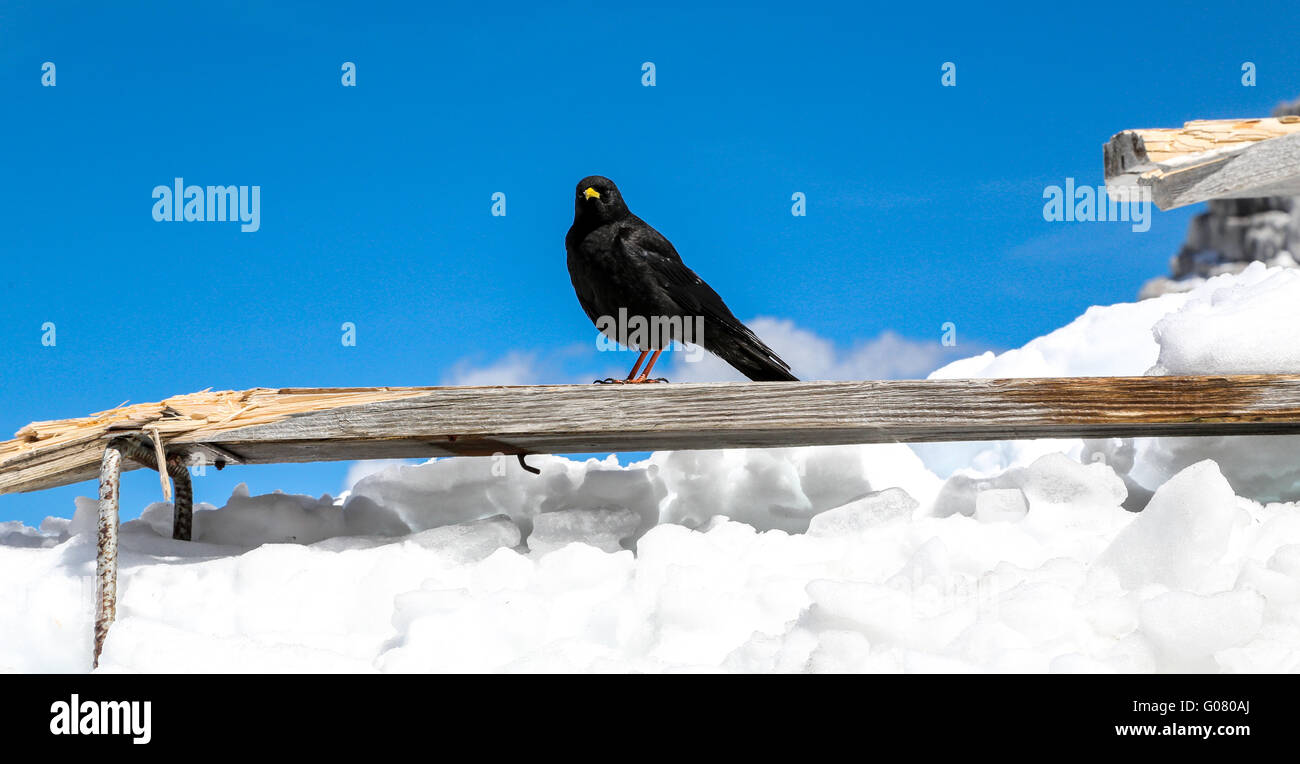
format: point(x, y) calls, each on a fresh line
point(831, 476)
point(1043, 611)
point(930, 565)
point(841, 652)
point(870, 511)
point(468, 542)
point(1113, 616)
point(1241, 325)
point(449, 491)
point(1051, 479)
point(1183, 533)
point(14, 533)
point(959, 492)
point(635, 492)
point(891, 616)
point(139, 645)
point(567, 611)
point(605, 529)
point(449, 630)
point(1286, 560)
point(788, 653)
point(274, 518)
point(1265, 468)
point(760, 487)
point(783, 488)
point(1058, 479)
point(882, 465)
point(1121, 455)
point(882, 613)
point(1000, 505)
point(1281, 591)
point(364, 517)
point(1188, 629)
point(249, 521)
point(85, 518)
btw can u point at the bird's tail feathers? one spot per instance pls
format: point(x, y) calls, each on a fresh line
point(741, 348)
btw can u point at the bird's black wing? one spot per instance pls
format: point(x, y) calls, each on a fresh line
point(644, 245)
point(725, 335)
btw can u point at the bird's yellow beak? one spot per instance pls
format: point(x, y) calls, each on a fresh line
point(591, 193)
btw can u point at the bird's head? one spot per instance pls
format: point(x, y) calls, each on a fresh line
point(598, 199)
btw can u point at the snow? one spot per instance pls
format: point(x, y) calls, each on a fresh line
point(1023, 556)
point(1182, 535)
point(1186, 630)
point(874, 509)
point(1232, 324)
point(1000, 504)
point(1206, 334)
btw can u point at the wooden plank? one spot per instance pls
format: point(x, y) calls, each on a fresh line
point(470, 421)
point(1206, 159)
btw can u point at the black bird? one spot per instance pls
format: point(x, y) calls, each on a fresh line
point(617, 261)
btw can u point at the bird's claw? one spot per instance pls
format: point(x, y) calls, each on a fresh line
point(638, 381)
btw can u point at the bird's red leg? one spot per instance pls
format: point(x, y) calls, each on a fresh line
point(649, 366)
point(639, 359)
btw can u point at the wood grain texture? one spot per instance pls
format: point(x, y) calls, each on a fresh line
point(1206, 159)
point(478, 421)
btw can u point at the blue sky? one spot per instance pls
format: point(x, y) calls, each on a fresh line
point(924, 203)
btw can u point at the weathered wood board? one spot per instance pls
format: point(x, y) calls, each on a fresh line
point(1206, 159)
point(263, 426)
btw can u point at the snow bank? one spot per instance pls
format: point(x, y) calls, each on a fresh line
point(1051, 575)
point(767, 488)
point(1243, 325)
point(856, 558)
point(1232, 324)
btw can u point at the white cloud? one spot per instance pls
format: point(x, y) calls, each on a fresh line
point(515, 368)
point(887, 356)
point(573, 365)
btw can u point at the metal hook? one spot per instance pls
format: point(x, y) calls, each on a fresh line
point(524, 464)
